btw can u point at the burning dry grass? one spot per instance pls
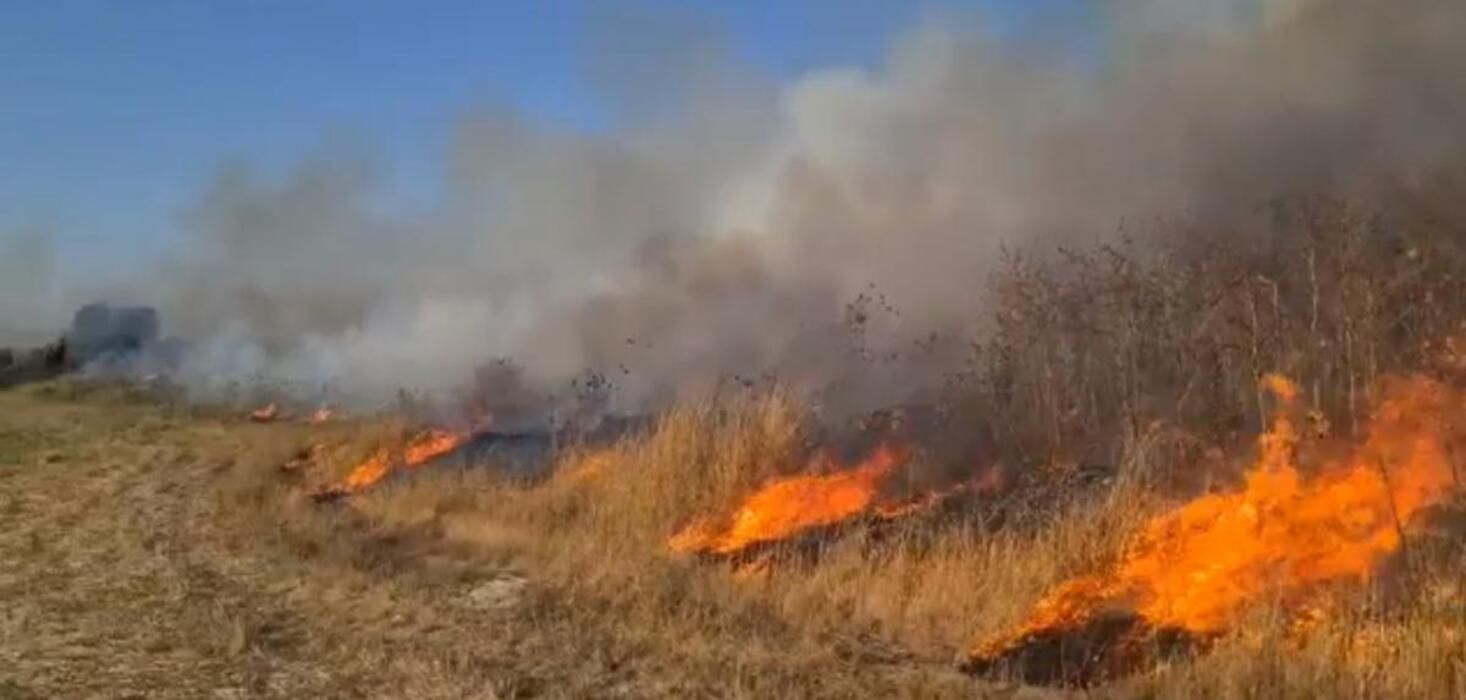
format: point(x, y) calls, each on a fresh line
point(416, 451)
point(408, 586)
point(159, 550)
point(791, 506)
point(399, 589)
point(152, 544)
point(917, 590)
point(1185, 576)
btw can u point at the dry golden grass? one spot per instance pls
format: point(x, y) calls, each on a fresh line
point(156, 550)
point(920, 597)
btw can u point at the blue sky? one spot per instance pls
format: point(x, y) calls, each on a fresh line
point(113, 114)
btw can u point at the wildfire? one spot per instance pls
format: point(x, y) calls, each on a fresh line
point(431, 445)
point(371, 470)
point(322, 415)
point(987, 482)
point(420, 450)
point(265, 414)
point(788, 506)
point(1194, 569)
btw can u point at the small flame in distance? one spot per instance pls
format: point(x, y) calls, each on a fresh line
point(430, 445)
point(421, 449)
point(265, 414)
point(371, 470)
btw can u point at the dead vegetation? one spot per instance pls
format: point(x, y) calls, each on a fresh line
point(168, 549)
point(159, 551)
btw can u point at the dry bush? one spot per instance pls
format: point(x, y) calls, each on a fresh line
point(1089, 349)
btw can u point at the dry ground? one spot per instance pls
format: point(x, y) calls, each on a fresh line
point(154, 551)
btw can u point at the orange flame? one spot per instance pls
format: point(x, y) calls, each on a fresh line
point(431, 445)
point(322, 415)
point(422, 449)
point(265, 414)
point(370, 471)
point(986, 482)
point(1197, 567)
point(788, 506)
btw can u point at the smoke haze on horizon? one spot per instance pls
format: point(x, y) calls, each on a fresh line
point(725, 227)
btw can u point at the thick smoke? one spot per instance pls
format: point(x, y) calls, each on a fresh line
point(726, 228)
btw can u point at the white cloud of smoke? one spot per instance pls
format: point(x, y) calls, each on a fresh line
point(725, 225)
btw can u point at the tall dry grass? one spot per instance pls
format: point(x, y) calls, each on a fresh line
point(600, 528)
point(1143, 358)
point(920, 593)
point(1146, 363)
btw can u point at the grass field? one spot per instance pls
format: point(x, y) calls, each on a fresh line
point(158, 550)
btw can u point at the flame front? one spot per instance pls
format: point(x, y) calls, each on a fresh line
point(792, 505)
point(370, 471)
point(1196, 568)
point(422, 449)
point(430, 445)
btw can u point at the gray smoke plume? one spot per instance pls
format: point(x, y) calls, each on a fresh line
point(727, 225)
